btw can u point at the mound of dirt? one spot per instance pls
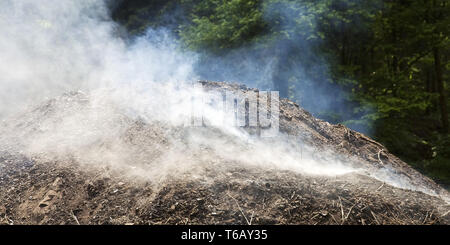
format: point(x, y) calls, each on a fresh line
point(154, 185)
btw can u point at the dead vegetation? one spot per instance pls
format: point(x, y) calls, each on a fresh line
point(45, 193)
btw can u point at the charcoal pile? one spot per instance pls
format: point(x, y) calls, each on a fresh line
point(73, 161)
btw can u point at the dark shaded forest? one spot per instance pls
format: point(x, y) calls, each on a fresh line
point(378, 66)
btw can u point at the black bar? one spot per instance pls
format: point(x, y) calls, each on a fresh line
point(247, 234)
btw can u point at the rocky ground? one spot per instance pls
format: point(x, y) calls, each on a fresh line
point(39, 190)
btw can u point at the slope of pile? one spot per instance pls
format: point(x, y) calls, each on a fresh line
point(136, 171)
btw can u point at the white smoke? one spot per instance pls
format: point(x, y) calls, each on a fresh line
point(50, 47)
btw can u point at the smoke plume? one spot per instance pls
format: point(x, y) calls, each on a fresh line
point(51, 47)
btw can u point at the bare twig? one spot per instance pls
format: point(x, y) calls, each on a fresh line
point(375, 217)
point(342, 210)
point(167, 220)
point(379, 158)
point(363, 137)
point(74, 217)
point(240, 209)
point(348, 214)
point(251, 217)
point(379, 188)
point(426, 217)
point(332, 216)
point(314, 217)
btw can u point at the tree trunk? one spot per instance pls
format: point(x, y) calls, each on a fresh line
point(441, 91)
point(428, 88)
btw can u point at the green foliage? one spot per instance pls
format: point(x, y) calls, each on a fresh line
point(218, 25)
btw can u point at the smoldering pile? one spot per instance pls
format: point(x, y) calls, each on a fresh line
point(77, 159)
